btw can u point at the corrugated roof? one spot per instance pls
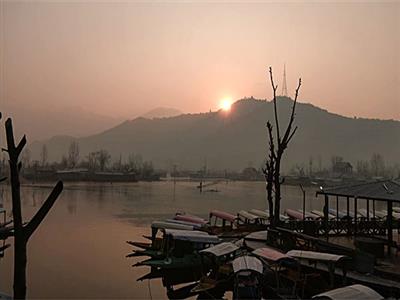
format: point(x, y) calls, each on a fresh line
point(378, 190)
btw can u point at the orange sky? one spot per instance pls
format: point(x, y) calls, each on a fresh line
point(123, 59)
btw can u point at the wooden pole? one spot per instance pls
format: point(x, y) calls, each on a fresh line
point(326, 224)
point(390, 225)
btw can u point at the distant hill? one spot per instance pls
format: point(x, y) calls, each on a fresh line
point(233, 140)
point(162, 112)
point(45, 122)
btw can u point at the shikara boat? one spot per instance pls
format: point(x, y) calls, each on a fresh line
point(260, 213)
point(352, 292)
point(180, 249)
point(248, 272)
point(222, 222)
point(321, 215)
point(218, 276)
point(294, 214)
point(250, 220)
point(153, 249)
point(190, 218)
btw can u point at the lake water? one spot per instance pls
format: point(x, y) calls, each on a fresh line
point(79, 249)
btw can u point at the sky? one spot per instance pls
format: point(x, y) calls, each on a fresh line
point(122, 59)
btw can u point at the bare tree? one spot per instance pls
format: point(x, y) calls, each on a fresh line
point(26, 158)
point(22, 232)
point(43, 155)
point(73, 154)
point(103, 158)
point(276, 151)
point(377, 164)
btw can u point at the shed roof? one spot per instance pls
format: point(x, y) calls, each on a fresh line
point(356, 291)
point(385, 190)
point(247, 263)
point(221, 249)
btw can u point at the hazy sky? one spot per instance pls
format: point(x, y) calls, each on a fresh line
point(122, 59)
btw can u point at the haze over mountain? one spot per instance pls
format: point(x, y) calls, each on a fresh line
point(39, 122)
point(232, 140)
point(162, 112)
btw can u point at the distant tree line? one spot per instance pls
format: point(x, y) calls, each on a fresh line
point(95, 161)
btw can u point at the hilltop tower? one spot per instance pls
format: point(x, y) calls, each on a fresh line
point(284, 85)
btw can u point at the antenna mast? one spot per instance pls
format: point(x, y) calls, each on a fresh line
point(284, 86)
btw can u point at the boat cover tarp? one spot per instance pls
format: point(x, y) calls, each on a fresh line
point(352, 292)
point(223, 215)
point(270, 254)
point(244, 214)
point(294, 214)
point(312, 255)
point(247, 263)
point(168, 225)
point(257, 236)
point(192, 236)
point(221, 249)
point(260, 213)
point(195, 225)
point(190, 218)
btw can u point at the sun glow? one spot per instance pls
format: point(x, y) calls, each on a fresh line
point(226, 104)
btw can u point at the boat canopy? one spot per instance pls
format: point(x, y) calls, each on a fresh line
point(190, 218)
point(354, 292)
point(271, 255)
point(168, 225)
point(195, 225)
point(317, 256)
point(221, 249)
point(223, 215)
point(247, 216)
point(321, 214)
point(244, 263)
point(260, 213)
point(192, 236)
point(294, 214)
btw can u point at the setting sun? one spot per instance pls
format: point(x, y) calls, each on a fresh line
point(226, 104)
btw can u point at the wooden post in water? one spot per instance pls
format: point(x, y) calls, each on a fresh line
point(390, 225)
point(326, 222)
point(22, 232)
point(355, 216)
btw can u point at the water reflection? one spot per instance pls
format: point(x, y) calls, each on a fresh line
point(79, 250)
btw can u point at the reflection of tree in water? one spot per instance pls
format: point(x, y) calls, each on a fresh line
point(72, 203)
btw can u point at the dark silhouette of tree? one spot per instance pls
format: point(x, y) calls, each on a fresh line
point(73, 154)
point(275, 153)
point(22, 231)
point(43, 155)
point(103, 158)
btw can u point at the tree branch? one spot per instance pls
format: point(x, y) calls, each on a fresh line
point(44, 209)
point(275, 108)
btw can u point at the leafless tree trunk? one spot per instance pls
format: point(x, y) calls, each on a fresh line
point(276, 152)
point(22, 232)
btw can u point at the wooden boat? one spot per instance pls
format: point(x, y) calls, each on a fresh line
point(260, 213)
point(248, 272)
point(245, 218)
point(180, 249)
point(340, 214)
point(218, 275)
point(352, 292)
point(332, 261)
point(294, 214)
point(321, 215)
point(222, 222)
point(153, 249)
point(196, 226)
point(190, 218)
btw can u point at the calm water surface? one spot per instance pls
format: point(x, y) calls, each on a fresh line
point(79, 249)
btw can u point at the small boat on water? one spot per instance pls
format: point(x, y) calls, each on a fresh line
point(190, 218)
point(248, 219)
point(321, 215)
point(351, 292)
point(180, 249)
point(248, 271)
point(260, 213)
point(294, 214)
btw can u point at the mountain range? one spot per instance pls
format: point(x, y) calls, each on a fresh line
point(238, 138)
